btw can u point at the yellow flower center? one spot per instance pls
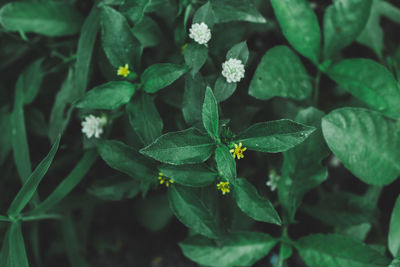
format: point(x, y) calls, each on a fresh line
point(123, 71)
point(224, 187)
point(164, 180)
point(237, 152)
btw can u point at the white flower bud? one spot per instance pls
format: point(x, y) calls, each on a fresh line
point(200, 33)
point(233, 70)
point(93, 126)
point(273, 180)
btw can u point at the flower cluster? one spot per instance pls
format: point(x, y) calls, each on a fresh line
point(237, 152)
point(223, 187)
point(273, 180)
point(200, 33)
point(164, 180)
point(233, 70)
point(93, 126)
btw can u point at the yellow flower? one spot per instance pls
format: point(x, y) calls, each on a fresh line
point(224, 187)
point(164, 180)
point(238, 151)
point(123, 71)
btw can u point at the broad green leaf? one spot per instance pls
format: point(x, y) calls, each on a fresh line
point(47, 18)
point(86, 42)
point(394, 230)
point(19, 139)
point(192, 212)
point(225, 163)
point(120, 45)
point(69, 183)
point(239, 51)
point(205, 14)
point(29, 188)
point(193, 175)
point(5, 137)
point(127, 160)
point(17, 257)
point(343, 22)
point(184, 147)
point(136, 9)
point(274, 136)
point(300, 26)
point(144, 118)
point(236, 10)
point(395, 263)
point(372, 140)
point(159, 76)
point(338, 251)
point(30, 80)
point(147, 32)
point(115, 189)
point(302, 167)
point(342, 209)
point(237, 249)
point(370, 82)
point(372, 35)
point(195, 57)
point(280, 73)
point(210, 114)
point(193, 98)
point(110, 95)
point(251, 203)
point(222, 89)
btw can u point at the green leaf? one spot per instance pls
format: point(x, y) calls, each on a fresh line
point(237, 249)
point(274, 136)
point(370, 82)
point(110, 95)
point(300, 26)
point(193, 175)
point(394, 230)
point(47, 18)
point(395, 263)
point(236, 10)
point(184, 147)
point(193, 98)
point(30, 80)
point(17, 257)
point(120, 45)
point(115, 189)
point(280, 73)
point(370, 137)
point(192, 212)
point(205, 14)
point(222, 89)
point(338, 251)
point(372, 35)
point(65, 187)
point(144, 118)
point(210, 114)
point(127, 160)
point(5, 250)
point(225, 163)
point(255, 206)
point(159, 76)
point(302, 167)
point(343, 22)
point(147, 32)
point(239, 51)
point(29, 188)
point(195, 57)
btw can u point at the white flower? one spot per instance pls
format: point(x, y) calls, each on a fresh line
point(93, 126)
point(233, 70)
point(273, 180)
point(200, 33)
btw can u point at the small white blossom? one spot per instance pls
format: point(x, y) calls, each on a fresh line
point(200, 33)
point(233, 70)
point(93, 126)
point(273, 180)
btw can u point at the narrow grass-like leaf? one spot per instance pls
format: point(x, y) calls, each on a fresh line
point(29, 188)
point(17, 257)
